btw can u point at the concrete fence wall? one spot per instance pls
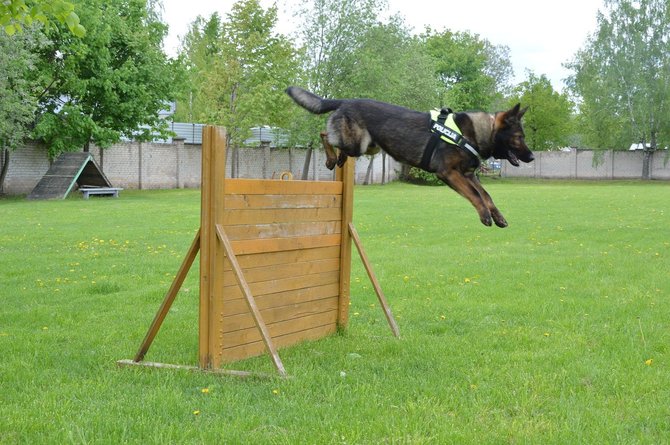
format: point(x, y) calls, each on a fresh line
point(589, 164)
point(142, 165)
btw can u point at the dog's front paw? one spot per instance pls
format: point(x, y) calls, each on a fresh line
point(330, 163)
point(499, 220)
point(486, 219)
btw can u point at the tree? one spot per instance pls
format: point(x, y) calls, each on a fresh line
point(474, 73)
point(201, 46)
point(238, 70)
point(548, 123)
point(622, 76)
point(332, 38)
point(331, 33)
point(242, 69)
point(19, 98)
point(111, 83)
point(15, 14)
point(392, 66)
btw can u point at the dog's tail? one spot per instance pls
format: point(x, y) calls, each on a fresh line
point(311, 102)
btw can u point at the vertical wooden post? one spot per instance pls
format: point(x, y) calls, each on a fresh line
point(346, 175)
point(211, 269)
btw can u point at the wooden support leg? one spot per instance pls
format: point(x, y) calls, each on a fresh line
point(169, 298)
point(251, 302)
point(375, 283)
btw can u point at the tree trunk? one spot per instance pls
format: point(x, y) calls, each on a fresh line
point(368, 174)
point(646, 164)
point(305, 166)
point(648, 154)
point(5, 168)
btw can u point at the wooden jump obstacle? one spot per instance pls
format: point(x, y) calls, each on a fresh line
point(275, 263)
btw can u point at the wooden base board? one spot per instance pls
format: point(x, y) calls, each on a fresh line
point(224, 372)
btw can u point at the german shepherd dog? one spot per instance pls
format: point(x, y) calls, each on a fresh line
point(363, 126)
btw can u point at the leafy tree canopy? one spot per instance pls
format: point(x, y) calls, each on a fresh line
point(17, 79)
point(622, 76)
point(15, 14)
point(19, 97)
point(475, 74)
point(548, 123)
point(389, 67)
point(111, 83)
point(238, 70)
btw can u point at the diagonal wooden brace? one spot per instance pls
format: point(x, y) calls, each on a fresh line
point(251, 302)
point(375, 283)
point(169, 298)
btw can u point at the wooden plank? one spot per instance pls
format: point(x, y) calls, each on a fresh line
point(218, 371)
point(286, 298)
point(169, 298)
point(277, 187)
point(280, 271)
point(253, 349)
point(257, 317)
point(263, 259)
point(274, 315)
point(283, 230)
point(282, 201)
point(295, 324)
point(271, 216)
point(375, 283)
point(245, 247)
point(233, 292)
point(346, 175)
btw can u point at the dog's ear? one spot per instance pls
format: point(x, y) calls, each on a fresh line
point(506, 118)
point(522, 112)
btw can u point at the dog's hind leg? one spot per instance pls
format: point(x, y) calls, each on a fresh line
point(331, 156)
point(461, 184)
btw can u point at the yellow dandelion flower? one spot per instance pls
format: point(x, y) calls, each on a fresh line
point(196, 412)
point(205, 390)
point(649, 362)
point(467, 280)
point(275, 391)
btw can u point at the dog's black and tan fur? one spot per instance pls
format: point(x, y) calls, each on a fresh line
point(363, 126)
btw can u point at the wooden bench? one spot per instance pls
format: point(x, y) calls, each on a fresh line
point(111, 191)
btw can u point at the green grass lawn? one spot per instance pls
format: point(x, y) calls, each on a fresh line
point(553, 330)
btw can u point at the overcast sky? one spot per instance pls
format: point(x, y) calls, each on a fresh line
point(541, 35)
